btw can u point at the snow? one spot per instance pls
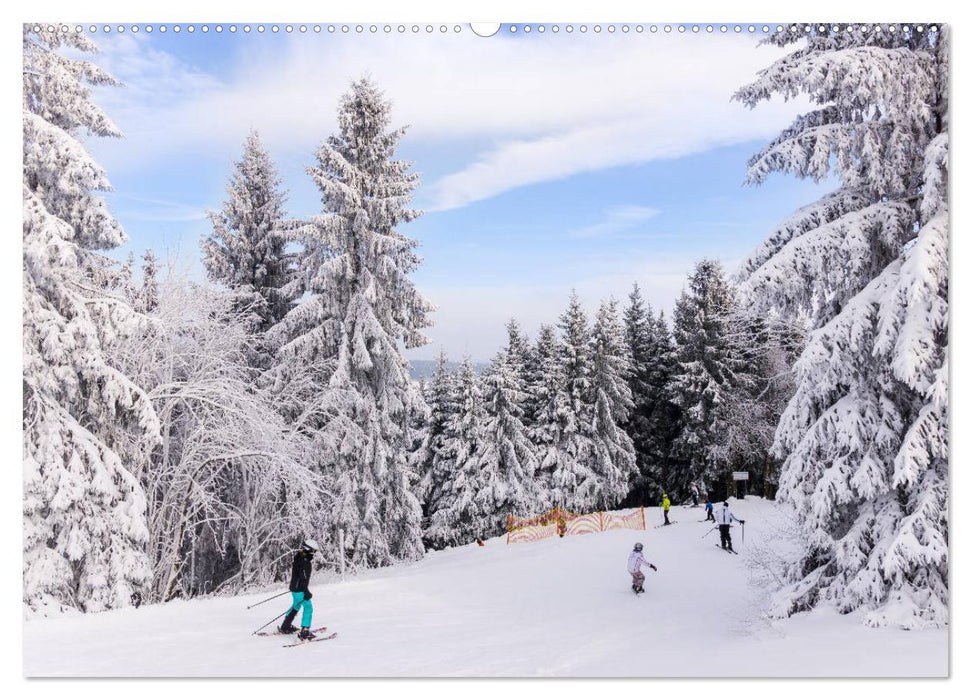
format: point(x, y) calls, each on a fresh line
point(558, 607)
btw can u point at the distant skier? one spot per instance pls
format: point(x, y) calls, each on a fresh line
point(634, 563)
point(299, 589)
point(724, 520)
point(666, 505)
point(694, 494)
point(709, 510)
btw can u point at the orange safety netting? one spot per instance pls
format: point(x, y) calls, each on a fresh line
point(563, 522)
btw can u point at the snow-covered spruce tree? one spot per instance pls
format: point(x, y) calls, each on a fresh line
point(864, 438)
point(246, 250)
point(506, 464)
point(360, 307)
point(544, 388)
point(147, 298)
point(86, 425)
point(520, 361)
point(574, 478)
point(458, 516)
point(433, 467)
point(703, 374)
point(614, 458)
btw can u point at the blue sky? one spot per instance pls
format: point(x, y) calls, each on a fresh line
point(548, 162)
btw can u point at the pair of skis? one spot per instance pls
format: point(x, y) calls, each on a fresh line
point(316, 630)
point(665, 524)
point(726, 549)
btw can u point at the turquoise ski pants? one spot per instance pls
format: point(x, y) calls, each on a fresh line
point(308, 608)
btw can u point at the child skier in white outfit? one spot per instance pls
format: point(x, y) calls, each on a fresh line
point(634, 563)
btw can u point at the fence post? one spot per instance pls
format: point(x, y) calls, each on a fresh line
point(601, 521)
point(508, 527)
point(643, 522)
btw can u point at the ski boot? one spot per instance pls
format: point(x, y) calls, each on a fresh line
point(287, 626)
point(305, 634)
point(639, 589)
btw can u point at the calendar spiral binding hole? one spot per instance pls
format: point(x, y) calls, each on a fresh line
point(425, 29)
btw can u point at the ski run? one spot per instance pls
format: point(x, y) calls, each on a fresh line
point(557, 607)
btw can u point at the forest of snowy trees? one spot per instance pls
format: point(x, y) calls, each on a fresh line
point(181, 436)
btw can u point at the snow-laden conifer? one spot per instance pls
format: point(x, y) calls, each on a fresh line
point(360, 308)
point(246, 250)
point(703, 376)
point(86, 426)
point(613, 453)
point(459, 516)
point(506, 462)
point(865, 437)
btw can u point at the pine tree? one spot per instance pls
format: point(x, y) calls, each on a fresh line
point(544, 430)
point(574, 481)
point(864, 438)
point(614, 456)
point(506, 463)
point(433, 466)
point(638, 329)
point(520, 362)
point(148, 295)
point(703, 376)
point(86, 426)
point(459, 516)
point(246, 250)
point(360, 308)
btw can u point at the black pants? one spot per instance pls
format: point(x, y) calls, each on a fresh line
point(694, 498)
point(710, 516)
point(666, 521)
point(726, 535)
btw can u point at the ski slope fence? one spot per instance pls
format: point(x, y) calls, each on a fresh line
point(562, 522)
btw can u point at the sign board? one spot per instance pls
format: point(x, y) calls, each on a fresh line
point(740, 476)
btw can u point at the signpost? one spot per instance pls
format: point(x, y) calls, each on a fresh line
point(739, 479)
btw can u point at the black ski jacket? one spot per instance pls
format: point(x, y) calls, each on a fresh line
point(300, 574)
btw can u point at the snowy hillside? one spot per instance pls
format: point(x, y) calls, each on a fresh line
point(559, 607)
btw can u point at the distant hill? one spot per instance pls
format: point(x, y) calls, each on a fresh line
point(423, 369)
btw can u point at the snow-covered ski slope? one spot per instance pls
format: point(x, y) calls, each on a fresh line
point(559, 607)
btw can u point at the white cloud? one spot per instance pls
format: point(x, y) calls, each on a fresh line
point(617, 219)
point(537, 108)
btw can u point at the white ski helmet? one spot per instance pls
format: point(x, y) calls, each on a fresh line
point(310, 544)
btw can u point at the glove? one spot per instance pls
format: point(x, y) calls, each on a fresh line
point(653, 567)
point(742, 521)
point(307, 595)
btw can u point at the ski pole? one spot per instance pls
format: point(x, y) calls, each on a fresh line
point(709, 532)
point(272, 621)
point(248, 607)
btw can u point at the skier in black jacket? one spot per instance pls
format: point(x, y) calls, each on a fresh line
point(299, 589)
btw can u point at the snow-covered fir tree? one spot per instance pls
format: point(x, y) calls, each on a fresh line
point(864, 438)
point(360, 307)
point(703, 375)
point(506, 462)
point(614, 457)
point(544, 430)
point(246, 250)
point(147, 299)
point(574, 479)
point(458, 516)
point(520, 361)
point(433, 467)
point(86, 426)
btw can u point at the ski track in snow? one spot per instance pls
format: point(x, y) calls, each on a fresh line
point(559, 607)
